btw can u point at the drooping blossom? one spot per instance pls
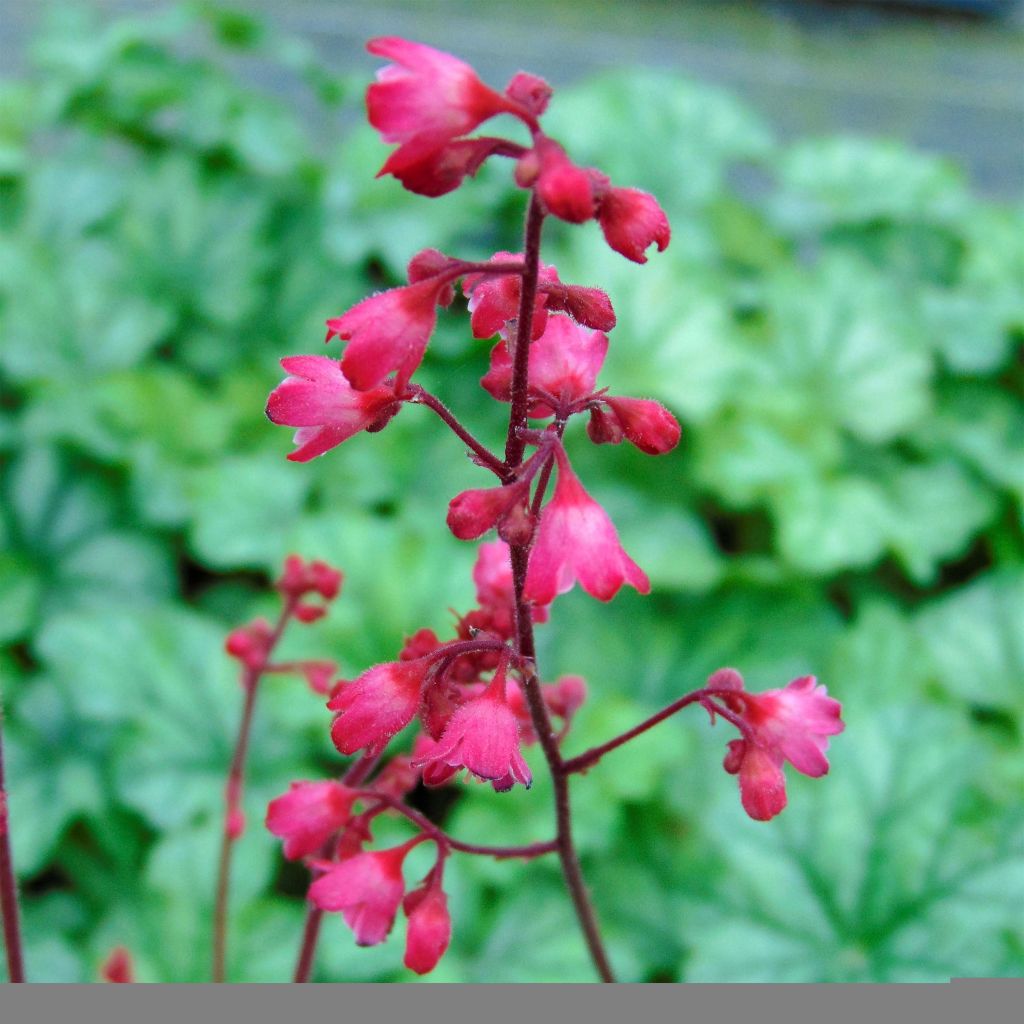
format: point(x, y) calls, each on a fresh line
point(632, 221)
point(483, 736)
point(251, 644)
point(589, 307)
point(577, 541)
point(790, 724)
point(430, 926)
point(317, 398)
point(428, 97)
point(308, 815)
point(388, 333)
point(429, 170)
point(377, 705)
point(367, 889)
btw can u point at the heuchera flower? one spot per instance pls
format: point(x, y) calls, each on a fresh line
point(318, 400)
point(632, 221)
point(388, 333)
point(367, 889)
point(494, 301)
point(792, 724)
point(565, 189)
point(564, 363)
point(483, 736)
point(377, 705)
point(472, 513)
point(492, 575)
point(577, 541)
point(308, 815)
point(430, 927)
point(300, 578)
point(428, 97)
point(428, 170)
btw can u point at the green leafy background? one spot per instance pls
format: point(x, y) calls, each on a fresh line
point(844, 351)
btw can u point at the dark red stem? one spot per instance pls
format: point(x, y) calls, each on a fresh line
point(8, 887)
point(484, 456)
point(233, 795)
point(514, 448)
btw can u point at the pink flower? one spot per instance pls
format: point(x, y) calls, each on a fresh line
point(251, 644)
point(429, 170)
point(631, 221)
point(792, 724)
point(577, 541)
point(564, 363)
point(377, 705)
point(318, 400)
point(300, 578)
point(494, 301)
point(308, 815)
point(367, 889)
point(429, 930)
point(483, 736)
point(643, 422)
point(529, 91)
point(589, 307)
point(492, 575)
point(428, 96)
point(388, 333)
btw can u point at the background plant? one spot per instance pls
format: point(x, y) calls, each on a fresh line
point(844, 353)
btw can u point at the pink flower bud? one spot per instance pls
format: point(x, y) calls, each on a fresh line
point(429, 930)
point(646, 424)
point(589, 307)
point(472, 513)
point(529, 91)
point(388, 333)
point(250, 644)
point(318, 400)
point(603, 427)
point(577, 541)
point(418, 645)
point(308, 815)
point(632, 221)
point(377, 705)
point(367, 889)
point(792, 724)
point(565, 189)
point(308, 613)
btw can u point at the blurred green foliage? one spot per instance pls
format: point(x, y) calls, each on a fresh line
point(838, 324)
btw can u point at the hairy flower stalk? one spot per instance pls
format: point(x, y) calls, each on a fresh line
point(8, 886)
point(475, 701)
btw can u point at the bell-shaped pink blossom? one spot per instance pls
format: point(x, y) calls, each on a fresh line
point(430, 927)
point(429, 96)
point(367, 889)
point(483, 736)
point(308, 815)
point(632, 221)
point(577, 541)
point(564, 363)
point(472, 513)
point(494, 301)
point(565, 189)
point(792, 724)
point(377, 705)
point(317, 399)
point(388, 333)
point(642, 421)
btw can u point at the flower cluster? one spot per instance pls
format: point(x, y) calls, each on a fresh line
point(471, 703)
